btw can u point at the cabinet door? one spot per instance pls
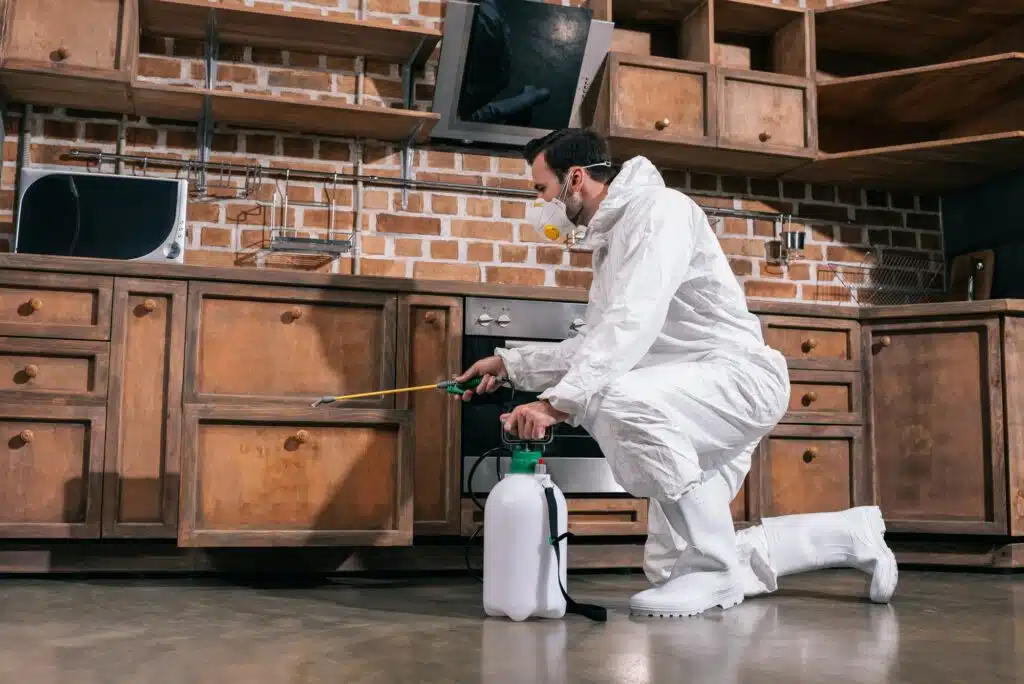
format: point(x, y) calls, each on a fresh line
point(56, 305)
point(813, 469)
point(430, 350)
point(51, 466)
point(766, 113)
point(77, 36)
point(274, 476)
point(937, 425)
point(281, 345)
point(140, 494)
point(814, 343)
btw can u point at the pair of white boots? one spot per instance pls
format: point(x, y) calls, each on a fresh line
point(720, 567)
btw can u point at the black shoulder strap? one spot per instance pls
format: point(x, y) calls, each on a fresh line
point(595, 613)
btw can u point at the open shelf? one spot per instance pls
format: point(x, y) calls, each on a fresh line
point(883, 35)
point(676, 29)
point(281, 113)
point(931, 166)
point(921, 104)
point(754, 36)
point(288, 30)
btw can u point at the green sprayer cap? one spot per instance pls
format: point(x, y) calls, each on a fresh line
point(524, 461)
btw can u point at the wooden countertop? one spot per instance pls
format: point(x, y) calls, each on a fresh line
point(285, 277)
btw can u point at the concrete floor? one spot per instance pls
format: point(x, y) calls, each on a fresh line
point(940, 628)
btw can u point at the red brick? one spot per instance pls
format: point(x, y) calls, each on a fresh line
point(444, 249)
point(822, 233)
point(814, 252)
point(476, 162)
point(482, 230)
point(159, 67)
point(741, 267)
point(823, 193)
point(215, 237)
point(550, 255)
point(846, 254)
point(876, 198)
point(513, 210)
point(798, 271)
point(181, 140)
point(372, 244)
point(444, 204)
point(98, 132)
point(480, 206)
point(848, 195)
point(306, 60)
point(207, 212)
point(5, 245)
point(764, 228)
point(743, 247)
point(224, 142)
point(704, 182)
point(851, 235)
point(382, 267)
point(931, 241)
point(52, 154)
point(431, 9)
point(480, 251)
point(929, 203)
point(769, 289)
point(581, 259)
point(514, 253)
point(335, 151)
point(251, 239)
point(734, 185)
point(237, 73)
point(714, 202)
point(419, 225)
point(64, 130)
point(389, 6)
point(261, 144)
point(924, 221)
point(512, 165)
point(341, 63)
point(735, 226)
point(904, 238)
point(205, 257)
point(879, 217)
point(576, 279)
point(510, 275)
point(824, 212)
point(794, 190)
point(375, 199)
point(313, 217)
point(510, 183)
point(413, 202)
point(299, 79)
point(446, 271)
point(297, 147)
point(879, 237)
point(381, 87)
point(766, 270)
point(764, 187)
point(408, 247)
point(142, 137)
point(440, 160)
point(449, 178)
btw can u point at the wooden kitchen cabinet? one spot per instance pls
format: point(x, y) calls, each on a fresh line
point(75, 53)
point(765, 112)
point(51, 467)
point(65, 306)
point(60, 371)
point(599, 517)
point(256, 345)
point(430, 330)
point(274, 476)
point(143, 447)
point(936, 398)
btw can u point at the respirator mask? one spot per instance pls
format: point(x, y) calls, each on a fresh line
point(557, 219)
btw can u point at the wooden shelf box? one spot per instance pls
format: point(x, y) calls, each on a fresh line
point(758, 37)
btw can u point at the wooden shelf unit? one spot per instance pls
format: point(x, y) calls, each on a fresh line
point(753, 36)
point(268, 26)
point(282, 113)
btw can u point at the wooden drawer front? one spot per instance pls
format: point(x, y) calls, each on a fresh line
point(763, 115)
point(274, 476)
point(648, 91)
point(587, 517)
point(251, 344)
point(812, 470)
point(59, 370)
point(49, 34)
point(51, 469)
point(814, 344)
point(55, 305)
point(824, 397)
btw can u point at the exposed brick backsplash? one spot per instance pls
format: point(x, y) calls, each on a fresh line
point(440, 235)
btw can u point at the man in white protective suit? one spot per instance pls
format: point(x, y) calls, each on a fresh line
point(673, 379)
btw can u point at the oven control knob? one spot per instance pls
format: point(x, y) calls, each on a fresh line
point(484, 319)
point(504, 320)
point(576, 324)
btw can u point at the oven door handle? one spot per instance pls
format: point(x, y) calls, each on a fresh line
point(515, 344)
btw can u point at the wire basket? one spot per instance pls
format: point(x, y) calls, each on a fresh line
point(886, 278)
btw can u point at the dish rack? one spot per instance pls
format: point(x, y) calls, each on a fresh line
point(887, 277)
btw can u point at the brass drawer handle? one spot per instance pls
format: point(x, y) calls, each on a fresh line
point(662, 125)
point(26, 436)
point(35, 304)
point(149, 306)
point(430, 317)
point(61, 53)
point(810, 398)
point(765, 136)
point(809, 345)
point(31, 370)
point(294, 313)
point(302, 436)
point(810, 454)
point(885, 340)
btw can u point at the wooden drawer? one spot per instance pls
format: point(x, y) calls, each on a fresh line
point(654, 98)
point(55, 305)
point(273, 476)
point(51, 470)
point(587, 517)
point(766, 113)
point(250, 344)
point(812, 469)
point(814, 343)
point(824, 397)
point(54, 370)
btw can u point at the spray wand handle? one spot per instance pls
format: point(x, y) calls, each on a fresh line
point(453, 387)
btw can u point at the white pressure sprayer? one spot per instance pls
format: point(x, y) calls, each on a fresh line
point(524, 551)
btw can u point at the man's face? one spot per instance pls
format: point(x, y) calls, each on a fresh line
point(545, 182)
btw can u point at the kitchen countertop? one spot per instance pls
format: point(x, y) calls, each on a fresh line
point(286, 277)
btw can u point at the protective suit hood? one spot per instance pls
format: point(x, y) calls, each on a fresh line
point(636, 177)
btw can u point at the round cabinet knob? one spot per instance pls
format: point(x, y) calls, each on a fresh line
point(35, 304)
point(504, 320)
point(31, 370)
point(430, 317)
point(26, 436)
point(61, 53)
point(809, 345)
point(661, 125)
point(295, 313)
point(484, 319)
point(810, 398)
point(810, 454)
point(149, 306)
point(765, 136)
point(885, 340)
point(301, 436)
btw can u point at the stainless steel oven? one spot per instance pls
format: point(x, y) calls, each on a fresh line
point(574, 460)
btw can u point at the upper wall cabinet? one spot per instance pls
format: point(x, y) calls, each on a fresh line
point(717, 85)
point(73, 53)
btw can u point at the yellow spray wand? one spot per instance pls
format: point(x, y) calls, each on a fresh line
point(449, 386)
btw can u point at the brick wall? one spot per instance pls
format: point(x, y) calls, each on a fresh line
point(438, 235)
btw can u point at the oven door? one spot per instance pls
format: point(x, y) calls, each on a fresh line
point(573, 458)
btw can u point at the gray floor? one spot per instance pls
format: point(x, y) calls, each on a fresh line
point(940, 628)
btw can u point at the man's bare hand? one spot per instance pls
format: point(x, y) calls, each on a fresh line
point(488, 370)
point(529, 421)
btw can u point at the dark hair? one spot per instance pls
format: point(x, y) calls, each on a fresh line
point(571, 147)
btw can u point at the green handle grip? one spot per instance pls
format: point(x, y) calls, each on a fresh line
point(452, 387)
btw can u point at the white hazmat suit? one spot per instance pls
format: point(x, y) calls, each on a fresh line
point(672, 378)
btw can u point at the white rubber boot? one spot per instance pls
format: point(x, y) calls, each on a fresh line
point(791, 544)
point(706, 573)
